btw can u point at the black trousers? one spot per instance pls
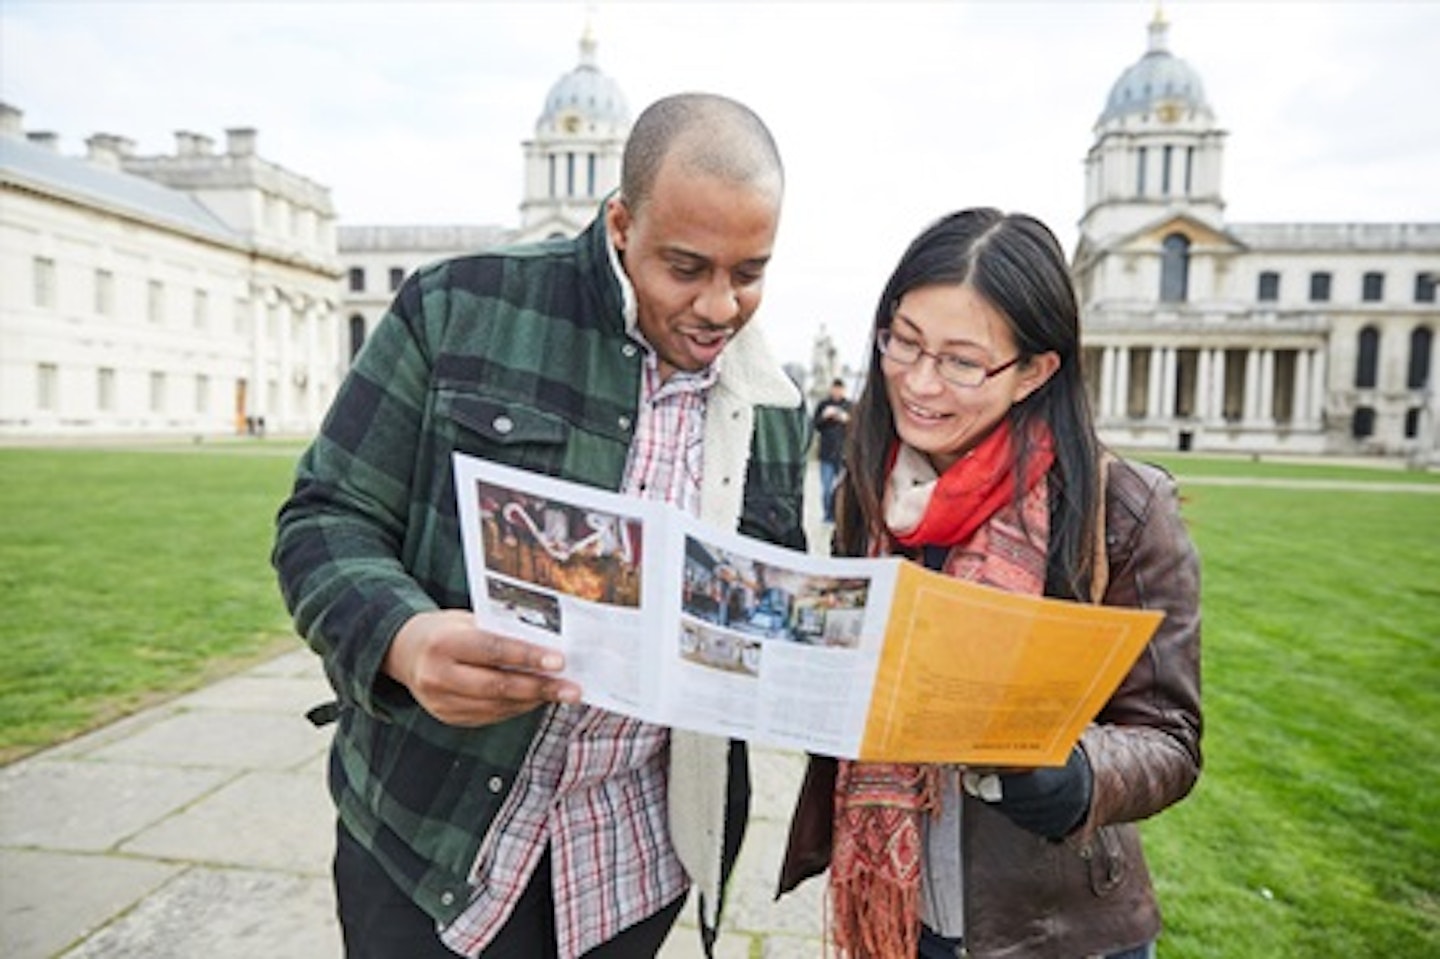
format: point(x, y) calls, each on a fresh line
point(379, 921)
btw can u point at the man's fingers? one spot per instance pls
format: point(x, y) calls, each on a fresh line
point(502, 652)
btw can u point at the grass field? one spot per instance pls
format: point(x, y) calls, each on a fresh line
point(132, 575)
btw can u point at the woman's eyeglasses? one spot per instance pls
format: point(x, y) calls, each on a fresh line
point(952, 368)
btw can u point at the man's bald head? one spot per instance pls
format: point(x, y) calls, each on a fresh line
point(705, 133)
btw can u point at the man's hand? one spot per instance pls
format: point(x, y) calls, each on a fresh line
point(466, 677)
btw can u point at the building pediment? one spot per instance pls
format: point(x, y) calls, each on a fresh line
point(1202, 235)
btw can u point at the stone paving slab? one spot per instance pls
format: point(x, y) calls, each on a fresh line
point(233, 740)
point(223, 914)
point(280, 821)
point(51, 899)
point(86, 806)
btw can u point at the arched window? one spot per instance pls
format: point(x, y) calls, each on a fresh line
point(1418, 375)
point(1175, 269)
point(357, 334)
point(1367, 364)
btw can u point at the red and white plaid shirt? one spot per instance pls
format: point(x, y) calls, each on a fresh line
point(593, 787)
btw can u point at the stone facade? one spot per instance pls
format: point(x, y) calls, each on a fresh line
point(191, 293)
point(1259, 338)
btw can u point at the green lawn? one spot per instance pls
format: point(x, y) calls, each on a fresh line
point(131, 575)
point(1315, 830)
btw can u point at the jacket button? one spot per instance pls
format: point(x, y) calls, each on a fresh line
point(496, 784)
point(623, 422)
point(629, 349)
point(503, 424)
point(447, 898)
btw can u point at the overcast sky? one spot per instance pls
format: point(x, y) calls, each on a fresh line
point(887, 114)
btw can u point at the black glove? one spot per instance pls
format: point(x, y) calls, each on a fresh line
point(1049, 802)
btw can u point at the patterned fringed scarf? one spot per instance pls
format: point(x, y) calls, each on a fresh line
point(875, 862)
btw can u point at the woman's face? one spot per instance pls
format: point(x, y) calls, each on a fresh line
point(932, 414)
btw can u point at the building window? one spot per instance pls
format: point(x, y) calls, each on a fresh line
point(1372, 287)
point(1166, 158)
point(551, 160)
point(1417, 375)
point(202, 310)
point(1189, 170)
point(357, 279)
point(1140, 172)
point(1425, 287)
point(1174, 269)
point(357, 334)
point(569, 174)
point(590, 175)
point(157, 392)
point(47, 387)
point(202, 393)
point(1362, 424)
point(1269, 290)
point(397, 276)
point(105, 389)
point(1367, 364)
point(1319, 287)
point(104, 292)
point(242, 317)
point(156, 302)
point(1412, 423)
point(44, 282)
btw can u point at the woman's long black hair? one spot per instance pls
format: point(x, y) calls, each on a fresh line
point(1017, 265)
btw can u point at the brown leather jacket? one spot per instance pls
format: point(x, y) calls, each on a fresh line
point(1089, 894)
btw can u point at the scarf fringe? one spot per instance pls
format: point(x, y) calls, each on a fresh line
point(874, 918)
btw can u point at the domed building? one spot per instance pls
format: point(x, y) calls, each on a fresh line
point(571, 163)
point(574, 159)
point(1262, 337)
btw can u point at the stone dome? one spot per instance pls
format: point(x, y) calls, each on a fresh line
point(1157, 77)
point(587, 94)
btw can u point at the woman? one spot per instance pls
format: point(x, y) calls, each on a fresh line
point(972, 451)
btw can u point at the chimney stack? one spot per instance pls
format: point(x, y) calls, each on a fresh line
point(240, 141)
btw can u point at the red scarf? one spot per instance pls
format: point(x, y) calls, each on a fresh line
point(878, 840)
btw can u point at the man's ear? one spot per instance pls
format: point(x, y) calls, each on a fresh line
point(617, 221)
point(1036, 372)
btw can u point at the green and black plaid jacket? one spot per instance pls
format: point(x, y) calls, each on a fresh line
point(520, 357)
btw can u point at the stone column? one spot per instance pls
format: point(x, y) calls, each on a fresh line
point(1107, 382)
point(1121, 402)
point(1153, 390)
point(1319, 402)
point(1302, 402)
point(1266, 402)
point(1167, 382)
point(1250, 402)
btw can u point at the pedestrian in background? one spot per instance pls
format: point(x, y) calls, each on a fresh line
point(832, 416)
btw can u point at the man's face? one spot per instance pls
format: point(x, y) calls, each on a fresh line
point(695, 253)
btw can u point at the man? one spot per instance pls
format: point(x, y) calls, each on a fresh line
point(831, 417)
point(483, 810)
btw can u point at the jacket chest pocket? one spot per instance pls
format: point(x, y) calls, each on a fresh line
point(506, 432)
